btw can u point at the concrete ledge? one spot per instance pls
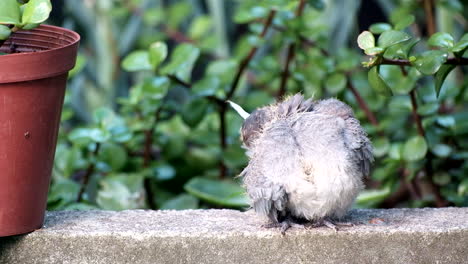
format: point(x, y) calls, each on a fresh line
point(227, 236)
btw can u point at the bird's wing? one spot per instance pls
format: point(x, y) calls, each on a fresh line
point(355, 137)
point(359, 144)
point(274, 158)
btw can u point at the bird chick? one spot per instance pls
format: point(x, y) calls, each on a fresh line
point(306, 160)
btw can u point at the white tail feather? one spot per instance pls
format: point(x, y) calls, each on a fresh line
point(239, 109)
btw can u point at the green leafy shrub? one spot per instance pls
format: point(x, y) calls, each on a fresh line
point(173, 143)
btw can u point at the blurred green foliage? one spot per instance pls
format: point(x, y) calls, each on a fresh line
point(145, 124)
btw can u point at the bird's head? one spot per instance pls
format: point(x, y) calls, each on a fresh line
point(253, 123)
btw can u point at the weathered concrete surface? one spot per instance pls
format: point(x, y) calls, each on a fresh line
point(226, 236)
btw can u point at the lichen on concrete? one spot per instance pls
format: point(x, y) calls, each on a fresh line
point(228, 236)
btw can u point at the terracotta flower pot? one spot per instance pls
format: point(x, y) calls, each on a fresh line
point(32, 87)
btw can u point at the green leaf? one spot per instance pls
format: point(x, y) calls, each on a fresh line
point(79, 65)
point(113, 155)
point(392, 37)
point(377, 83)
point(120, 192)
point(372, 196)
point(255, 40)
point(441, 178)
point(200, 27)
point(430, 61)
point(415, 149)
point(404, 84)
point(441, 150)
point(31, 26)
point(164, 172)
point(157, 53)
point(440, 76)
point(404, 22)
point(441, 39)
point(381, 146)
point(245, 16)
point(224, 193)
point(87, 135)
point(374, 51)
point(194, 111)
point(396, 151)
point(366, 40)
point(317, 4)
point(379, 28)
point(36, 11)
point(461, 45)
point(447, 121)
point(335, 83)
point(137, 61)
point(463, 188)
point(156, 88)
point(180, 202)
point(9, 12)
point(182, 62)
point(223, 69)
point(207, 86)
point(400, 50)
point(5, 32)
point(63, 190)
point(428, 108)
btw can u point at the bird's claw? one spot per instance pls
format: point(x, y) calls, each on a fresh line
point(331, 224)
point(284, 225)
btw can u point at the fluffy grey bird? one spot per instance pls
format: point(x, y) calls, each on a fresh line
point(306, 160)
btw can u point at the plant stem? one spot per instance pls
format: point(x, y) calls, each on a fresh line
point(450, 61)
point(369, 114)
point(245, 62)
point(439, 200)
point(289, 57)
point(223, 107)
point(430, 21)
point(88, 173)
point(147, 157)
point(222, 137)
point(285, 74)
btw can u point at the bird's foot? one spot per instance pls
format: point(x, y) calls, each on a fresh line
point(284, 225)
point(332, 224)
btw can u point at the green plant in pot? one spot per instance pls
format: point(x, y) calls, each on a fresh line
point(34, 64)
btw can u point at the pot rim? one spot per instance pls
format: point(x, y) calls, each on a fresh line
point(57, 57)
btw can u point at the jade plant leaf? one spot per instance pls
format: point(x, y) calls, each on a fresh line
point(157, 53)
point(9, 12)
point(225, 193)
point(462, 44)
point(366, 40)
point(430, 61)
point(182, 61)
point(181, 202)
point(5, 32)
point(404, 22)
point(441, 39)
point(317, 4)
point(335, 83)
point(392, 37)
point(120, 192)
point(137, 61)
point(377, 82)
point(36, 11)
point(441, 75)
point(379, 28)
point(194, 111)
point(415, 149)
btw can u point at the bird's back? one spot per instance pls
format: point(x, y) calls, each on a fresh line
point(309, 157)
